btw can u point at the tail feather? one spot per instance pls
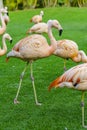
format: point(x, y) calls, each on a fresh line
point(7, 59)
point(54, 83)
point(30, 20)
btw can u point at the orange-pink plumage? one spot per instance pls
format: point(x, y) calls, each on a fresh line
point(75, 78)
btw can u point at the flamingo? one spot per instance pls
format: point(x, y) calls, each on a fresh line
point(3, 27)
point(75, 78)
point(4, 47)
point(31, 48)
point(37, 18)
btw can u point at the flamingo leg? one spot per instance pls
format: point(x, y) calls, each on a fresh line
point(82, 105)
point(32, 79)
point(64, 64)
point(21, 78)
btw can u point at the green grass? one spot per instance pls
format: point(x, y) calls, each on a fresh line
point(61, 107)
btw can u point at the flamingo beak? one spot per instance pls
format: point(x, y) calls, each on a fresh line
point(60, 32)
point(7, 13)
point(11, 41)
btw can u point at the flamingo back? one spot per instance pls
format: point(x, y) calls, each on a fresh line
point(38, 28)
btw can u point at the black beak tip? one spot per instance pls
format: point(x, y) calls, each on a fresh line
point(7, 13)
point(11, 41)
point(60, 32)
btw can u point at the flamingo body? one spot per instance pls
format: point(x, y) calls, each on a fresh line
point(38, 28)
point(66, 49)
point(37, 18)
point(69, 49)
point(75, 78)
point(31, 48)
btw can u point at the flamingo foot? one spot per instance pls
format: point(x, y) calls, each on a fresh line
point(38, 104)
point(65, 69)
point(16, 101)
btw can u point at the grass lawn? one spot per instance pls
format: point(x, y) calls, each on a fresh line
point(60, 108)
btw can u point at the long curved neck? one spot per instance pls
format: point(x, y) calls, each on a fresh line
point(2, 21)
point(52, 39)
point(4, 47)
point(3, 26)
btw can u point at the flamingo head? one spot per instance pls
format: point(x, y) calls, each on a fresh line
point(7, 36)
point(55, 24)
point(41, 13)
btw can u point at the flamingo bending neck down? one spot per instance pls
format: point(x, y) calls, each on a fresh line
point(32, 48)
point(4, 47)
point(3, 27)
point(75, 78)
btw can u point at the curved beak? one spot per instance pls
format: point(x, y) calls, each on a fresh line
point(27, 32)
point(7, 13)
point(11, 41)
point(60, 32)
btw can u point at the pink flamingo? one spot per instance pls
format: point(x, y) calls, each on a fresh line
point(32, 48)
